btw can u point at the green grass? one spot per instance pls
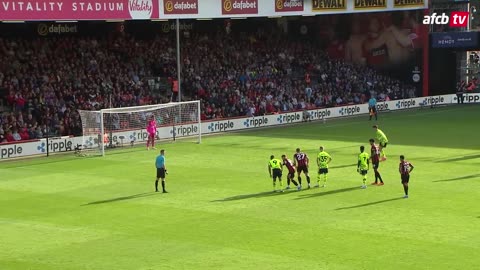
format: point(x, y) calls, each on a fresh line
point(99, 213)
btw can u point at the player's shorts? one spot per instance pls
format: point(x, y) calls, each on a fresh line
point(291, 174)
point(277, 173)
point(160, 173)
point(151, 135)
point(363, 172)
point(376, 164)
point(373, 109)
point(302, 169)
point(405, 178)
point(323, 171)
point(383, 145)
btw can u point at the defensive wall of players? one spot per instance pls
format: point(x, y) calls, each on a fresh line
point(67, 144)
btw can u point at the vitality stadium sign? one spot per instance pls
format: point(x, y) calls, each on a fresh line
point(367, 4)
point(324, 5)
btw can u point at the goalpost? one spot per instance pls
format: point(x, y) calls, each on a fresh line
point(117, 127)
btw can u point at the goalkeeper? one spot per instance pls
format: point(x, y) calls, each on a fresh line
point(152, 131)
point(382, 141)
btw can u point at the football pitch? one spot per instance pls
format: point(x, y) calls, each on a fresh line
point(67, 212)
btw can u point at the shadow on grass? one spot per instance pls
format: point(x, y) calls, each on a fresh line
point(460, 158)
point(466, 177)
point(343, 166)
point(254, 195)
point(356, 129)
point(39, 160)
point(425, 159)
point(369, 204)
point(136, 196)
point(324, 193)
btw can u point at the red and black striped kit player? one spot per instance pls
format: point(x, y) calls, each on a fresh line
point(300, 160)
point(405, 168)
point(375, 156)
point(291, 172)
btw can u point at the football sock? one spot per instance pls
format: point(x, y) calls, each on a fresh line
point(376, 177)
point(325, 180)
point(288, 182)
point(163, 185)
point(406, 189)
point(295, 183)
point(274, 186)
point(364, 179)
point(319, 178)
point(308, 179)
point(380, 177)
point(300, 180)
point(156, 185)
point(280, 183)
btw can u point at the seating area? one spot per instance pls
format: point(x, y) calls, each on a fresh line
point(44, 81)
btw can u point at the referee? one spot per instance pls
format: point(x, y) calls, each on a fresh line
point(161, 170)
point(372, 107)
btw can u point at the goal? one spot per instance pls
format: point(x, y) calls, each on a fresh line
point(123, 127)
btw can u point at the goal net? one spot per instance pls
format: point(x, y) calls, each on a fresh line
point(123, 127)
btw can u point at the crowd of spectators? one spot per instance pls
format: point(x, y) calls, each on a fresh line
point(46, 80)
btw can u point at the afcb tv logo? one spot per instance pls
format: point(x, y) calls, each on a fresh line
point(456, 19)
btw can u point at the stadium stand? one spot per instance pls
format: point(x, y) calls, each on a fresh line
point(45, 80)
